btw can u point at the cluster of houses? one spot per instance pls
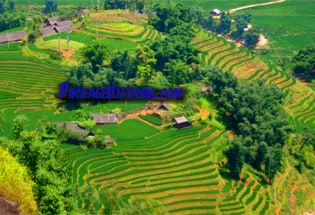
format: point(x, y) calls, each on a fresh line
point(54, 26)
point(103, 119)
point(99, 119)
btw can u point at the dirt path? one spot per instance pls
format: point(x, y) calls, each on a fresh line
point(255, 5)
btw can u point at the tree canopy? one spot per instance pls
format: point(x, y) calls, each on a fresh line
point(253, 110)
point(303, 64)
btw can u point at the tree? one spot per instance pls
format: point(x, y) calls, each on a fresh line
point(11, 4)
point(307, 138)
point(94, 53)
point(241, 23)
point(225, 23)
point(251, 36)
point(235, 155)
point(2, 8)
point(51, 6)
point(146, 59)
point(20, 125)
point(112, 197)
point(303, 64)
point(76, 74)
point(273, 162)
point(123, 63)
point(31, 38)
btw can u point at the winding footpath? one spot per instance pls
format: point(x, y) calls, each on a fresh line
point(255, 5)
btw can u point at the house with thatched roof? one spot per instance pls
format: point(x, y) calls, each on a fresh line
point(101, 119)
point(181, 122)
point(53, 26)
point(12, 36)
point(164, 106)
point(215, 12)
point(75, 127)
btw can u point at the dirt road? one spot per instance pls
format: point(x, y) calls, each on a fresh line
point(255, 5)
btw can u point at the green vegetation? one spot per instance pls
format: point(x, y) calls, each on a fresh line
point(47, 165)
point(126, 130)
point(182, 170)
point(152, 119)
point(15, 183)
point(304, 64)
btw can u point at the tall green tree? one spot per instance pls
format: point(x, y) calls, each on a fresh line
point(225, 23)
point(236, 159)
point(51, 6)
point(146, 59)
point(19, 125)
point(94, 53)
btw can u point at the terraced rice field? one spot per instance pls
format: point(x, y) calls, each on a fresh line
point(176, 167)
point(125, 31)
point(216, 51)
point(26, 84)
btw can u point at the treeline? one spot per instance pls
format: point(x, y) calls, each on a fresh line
point(167, 16)
point(165, 62)
point(253, 110)
point(6, 5)
point(123, 4)
point(303, 64)
point(9, 20)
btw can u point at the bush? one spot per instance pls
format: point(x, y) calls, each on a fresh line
point(56, 55)
point(31, 38)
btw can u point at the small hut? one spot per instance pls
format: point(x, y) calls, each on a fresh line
point(215, 12)
point(181, 122)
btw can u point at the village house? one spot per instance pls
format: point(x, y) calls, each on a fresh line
point(54, 26)
point(71, 126)
point(101, 119)
point(181, 122)
point(10, 37)
point(164, 106)
point(215, 12)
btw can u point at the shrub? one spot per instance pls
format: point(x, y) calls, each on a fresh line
point(56, 55)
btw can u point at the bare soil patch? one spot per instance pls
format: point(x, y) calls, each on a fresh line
point(68, 54)
point(262, 41)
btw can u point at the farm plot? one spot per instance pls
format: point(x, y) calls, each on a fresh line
point(176, 167)
point(26, 83)
point(122, 31)
point(217, 51)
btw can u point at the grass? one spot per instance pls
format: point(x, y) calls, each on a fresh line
point(126, 130)
point(286, 34)
point(152, 119)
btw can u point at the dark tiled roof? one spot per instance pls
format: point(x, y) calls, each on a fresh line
point(64, 28)
point(105, 118)
point(52, 20)
point(12, 36)
point(46, 31)
point(64, 23)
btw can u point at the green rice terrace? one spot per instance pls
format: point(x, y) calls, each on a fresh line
point(176, 167)
point(183, 169)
